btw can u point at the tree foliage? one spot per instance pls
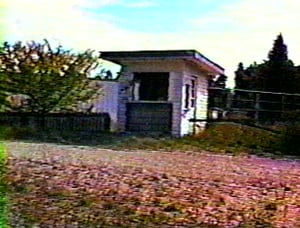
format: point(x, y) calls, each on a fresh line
point(219, 81)
point(217, 93)
point(240, 76)
point(36, 77)
point(279, 52)
point(277, 74)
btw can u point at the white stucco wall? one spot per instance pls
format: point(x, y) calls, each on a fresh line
point(108, 102)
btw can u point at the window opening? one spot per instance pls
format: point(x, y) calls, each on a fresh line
point(151, 86)
point(187, 96)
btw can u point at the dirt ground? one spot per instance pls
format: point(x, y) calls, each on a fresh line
point(80, 186)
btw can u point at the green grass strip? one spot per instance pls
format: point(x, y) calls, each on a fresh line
point(3, 188)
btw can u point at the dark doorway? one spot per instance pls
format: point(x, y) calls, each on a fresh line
point(152, 86)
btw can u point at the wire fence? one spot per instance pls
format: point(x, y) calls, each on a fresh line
point(253, 107)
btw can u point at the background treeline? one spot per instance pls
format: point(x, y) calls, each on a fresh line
point(276, 74)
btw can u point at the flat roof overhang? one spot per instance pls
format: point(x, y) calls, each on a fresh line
point(121, 57)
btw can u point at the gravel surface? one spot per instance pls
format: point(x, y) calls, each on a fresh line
point(237, 179)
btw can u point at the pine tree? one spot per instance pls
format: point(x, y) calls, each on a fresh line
point(240, 77)
point(279, 53)
point(276, 74)
point(279, 72)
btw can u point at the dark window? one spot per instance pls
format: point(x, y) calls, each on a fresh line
point(152, 86)
point(190, 94)
point(187, 96)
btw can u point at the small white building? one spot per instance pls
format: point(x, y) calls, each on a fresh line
point(159, 91)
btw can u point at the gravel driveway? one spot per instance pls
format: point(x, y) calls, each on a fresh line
point(186, 176)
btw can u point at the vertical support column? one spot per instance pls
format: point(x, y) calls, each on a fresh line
point(123, 97)
point(175, 96)
point(136, 89)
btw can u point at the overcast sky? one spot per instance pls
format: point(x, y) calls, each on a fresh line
point(226, 31)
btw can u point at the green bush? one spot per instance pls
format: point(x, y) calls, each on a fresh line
point(7, 133)
point(236, 136)
point(289, 143)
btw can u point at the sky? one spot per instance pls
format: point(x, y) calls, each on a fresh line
point(225, 31)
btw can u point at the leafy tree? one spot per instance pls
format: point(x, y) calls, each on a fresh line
point(217, 93)
point(247, 78)
point(35, 77)
point(297, 80)
point(219, 81)
point(240, 77)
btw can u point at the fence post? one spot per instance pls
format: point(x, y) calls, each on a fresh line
point(229, 100)
point(282, 105)
point(257, 106)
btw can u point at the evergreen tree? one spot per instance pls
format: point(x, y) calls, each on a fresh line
point(296, 80)
point(246, 78)
point(279, 72)
point(240, 77)
point(276, 74)
point(279, 53)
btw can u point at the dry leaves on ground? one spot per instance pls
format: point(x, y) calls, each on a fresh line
point(56, 186)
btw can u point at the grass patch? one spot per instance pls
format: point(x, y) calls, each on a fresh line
point(14, 133)
point(3, 188)
point(221, 138)
point(236, 138)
